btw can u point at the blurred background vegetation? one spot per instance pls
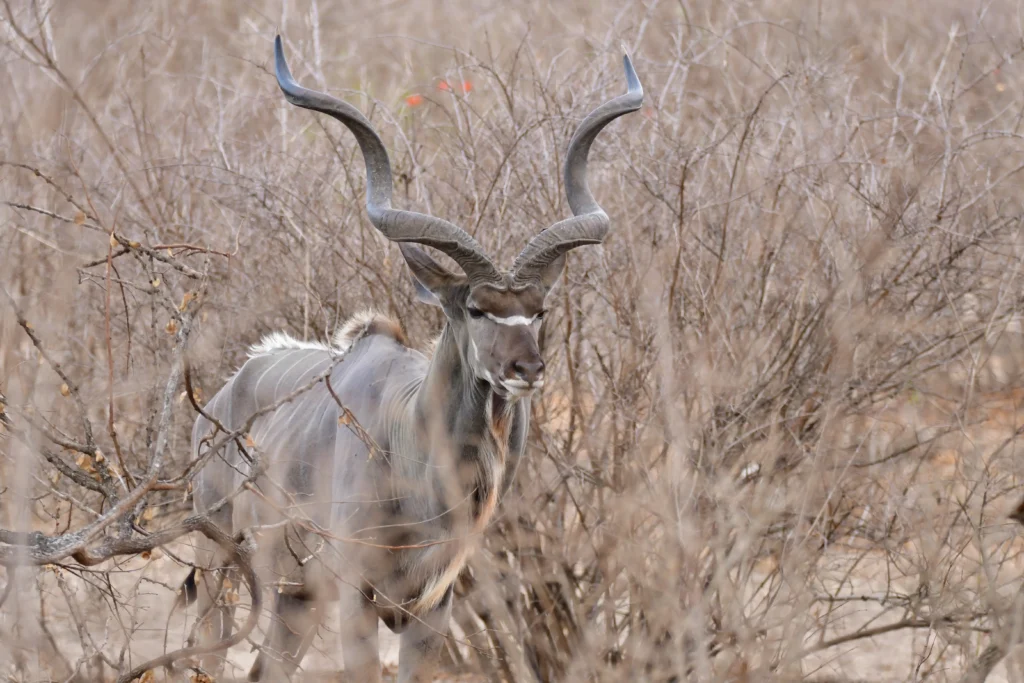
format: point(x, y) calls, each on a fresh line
point(778, 439)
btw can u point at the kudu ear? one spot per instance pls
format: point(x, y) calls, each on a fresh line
point(549, 274)
point(430, 278)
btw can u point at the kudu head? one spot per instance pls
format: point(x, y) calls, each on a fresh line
point(494, 314)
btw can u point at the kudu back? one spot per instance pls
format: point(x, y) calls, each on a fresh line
point(370, 468)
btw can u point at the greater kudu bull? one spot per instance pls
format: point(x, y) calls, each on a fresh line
point(395, 458)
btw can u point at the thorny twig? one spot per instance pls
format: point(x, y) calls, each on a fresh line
point(36, 548)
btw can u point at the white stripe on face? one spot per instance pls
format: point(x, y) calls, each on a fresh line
point(511, 320)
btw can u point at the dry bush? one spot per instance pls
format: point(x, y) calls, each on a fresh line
point(778, 436)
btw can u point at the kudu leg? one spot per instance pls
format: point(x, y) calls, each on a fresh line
point(210, 587)
point(421, 642)
point(215, 618)
point(292, 630)
point(359, 645)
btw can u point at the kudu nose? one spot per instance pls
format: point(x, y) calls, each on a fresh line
point(528, 370)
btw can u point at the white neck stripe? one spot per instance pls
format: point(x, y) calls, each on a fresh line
point(511, 320)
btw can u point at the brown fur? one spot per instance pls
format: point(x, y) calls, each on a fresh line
point(388, 327)
point(365, 323)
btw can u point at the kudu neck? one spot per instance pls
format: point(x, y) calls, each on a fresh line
point(468, 431)
point(453, 399)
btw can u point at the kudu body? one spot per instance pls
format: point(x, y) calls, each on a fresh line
point(395, 460)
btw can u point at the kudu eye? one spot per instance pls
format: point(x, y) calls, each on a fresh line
point(474, 312)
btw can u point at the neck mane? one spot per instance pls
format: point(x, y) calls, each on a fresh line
point(467, 428)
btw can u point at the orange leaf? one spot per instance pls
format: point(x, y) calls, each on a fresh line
point(85, 462)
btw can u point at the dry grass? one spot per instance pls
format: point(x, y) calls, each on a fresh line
point(779, 436)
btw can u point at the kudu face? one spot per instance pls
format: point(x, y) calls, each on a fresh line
point(501, 328)
point(496, 326)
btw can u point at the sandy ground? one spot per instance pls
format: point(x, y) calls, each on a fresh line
point(902, 655)
point(894, 656)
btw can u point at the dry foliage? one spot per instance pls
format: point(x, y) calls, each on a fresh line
point(778, 438)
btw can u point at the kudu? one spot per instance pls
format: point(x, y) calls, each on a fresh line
point(396, 459)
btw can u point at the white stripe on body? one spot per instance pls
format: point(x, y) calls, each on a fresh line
point(284, 375)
